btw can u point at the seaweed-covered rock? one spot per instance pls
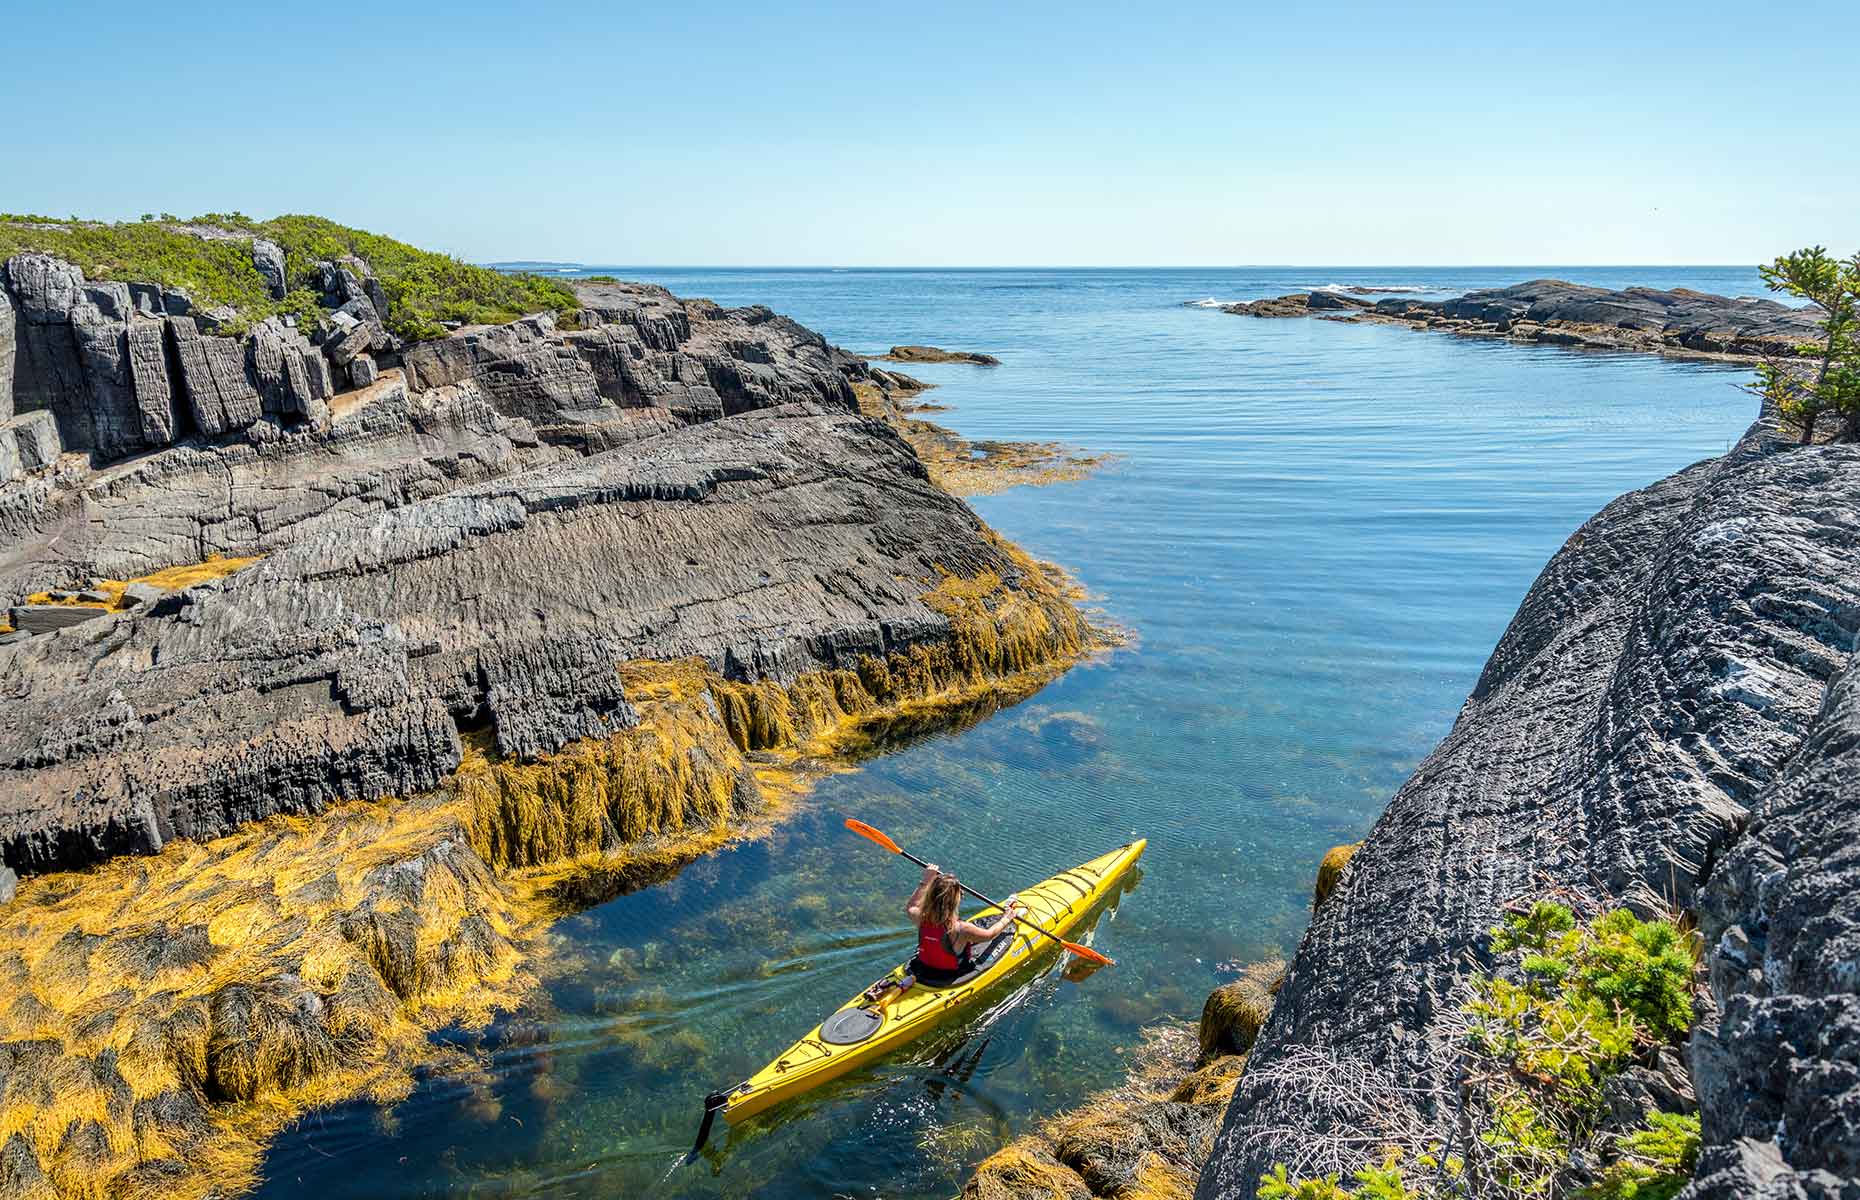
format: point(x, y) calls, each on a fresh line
point(1667, 674)
point(1330, 870)
point(1234, 1013)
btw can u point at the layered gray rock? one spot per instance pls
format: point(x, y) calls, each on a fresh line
point(254, 494)
point(641, 347)
point(1667, 676)
point(220, 398)
point(292, 378)
point(47, 371)
point(9, 350)
point(1779, 1070)
point(480, 535)
point(768, 544)
point(1681, 317)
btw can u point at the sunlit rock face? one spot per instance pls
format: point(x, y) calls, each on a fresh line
point(478, 537)
point(1666, 681)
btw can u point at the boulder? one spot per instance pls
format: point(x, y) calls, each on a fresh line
point(438, 363)
point(36, 436)
point(47, 618)
point(9, 885)
point(142, 595)
point(268, 258)
point(212, 320)
point(362, 371)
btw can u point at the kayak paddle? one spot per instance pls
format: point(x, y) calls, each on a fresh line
point(877, 835)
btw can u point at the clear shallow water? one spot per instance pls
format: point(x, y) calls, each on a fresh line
point(1316, 531)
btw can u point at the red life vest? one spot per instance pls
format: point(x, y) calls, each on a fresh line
point(933, 948)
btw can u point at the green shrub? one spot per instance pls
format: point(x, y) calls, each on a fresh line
point(422, 288)
point(1587, 1000)
point(1655, 1161)
point(1386, 1182)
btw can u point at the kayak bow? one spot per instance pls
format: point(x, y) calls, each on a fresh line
point(864, 1029)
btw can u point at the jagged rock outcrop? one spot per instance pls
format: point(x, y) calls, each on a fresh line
point(1679, 322)
point(480, 536)
point(769, 544)
point(1667, 676)
point(640, 347)
point(1778, 1073)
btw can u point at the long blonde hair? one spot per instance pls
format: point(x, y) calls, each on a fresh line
point(942, 901)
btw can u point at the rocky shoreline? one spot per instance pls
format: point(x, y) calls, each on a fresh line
point(343, 662)
point(1680, 323)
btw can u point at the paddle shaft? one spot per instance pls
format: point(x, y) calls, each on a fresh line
point(985, 900)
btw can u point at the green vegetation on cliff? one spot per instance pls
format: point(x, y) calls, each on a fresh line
point(210, 258)
point(1571, 1006)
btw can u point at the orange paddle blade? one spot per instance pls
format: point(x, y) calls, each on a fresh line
point(1086, 952)
point(871, 834)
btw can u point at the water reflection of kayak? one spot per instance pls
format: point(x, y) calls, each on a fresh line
point(864, 1029)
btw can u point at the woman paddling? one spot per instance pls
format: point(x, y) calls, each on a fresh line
point(945, 942)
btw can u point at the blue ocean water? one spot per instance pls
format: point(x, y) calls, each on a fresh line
point(1314, 533)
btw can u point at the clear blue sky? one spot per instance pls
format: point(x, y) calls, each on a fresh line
point(865, 134)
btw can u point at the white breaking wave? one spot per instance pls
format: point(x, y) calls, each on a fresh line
point(1360, 289)
point(1210, 302)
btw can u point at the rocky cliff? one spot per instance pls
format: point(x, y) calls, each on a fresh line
point(1670, 718)
point(342, 663)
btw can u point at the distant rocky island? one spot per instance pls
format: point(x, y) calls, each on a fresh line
point(367, 608)
point(936, 354)
point(1679, 322)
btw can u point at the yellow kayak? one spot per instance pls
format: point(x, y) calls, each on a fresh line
point(863, 1030)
